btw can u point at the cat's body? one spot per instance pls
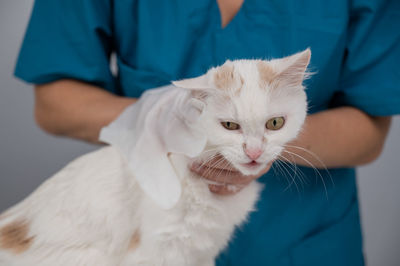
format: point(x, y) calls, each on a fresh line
point(95, 211)
point(116, 224)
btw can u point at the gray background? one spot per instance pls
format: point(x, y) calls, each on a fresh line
point(28, 156)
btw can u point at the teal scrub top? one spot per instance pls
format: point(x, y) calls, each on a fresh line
point(311, 220)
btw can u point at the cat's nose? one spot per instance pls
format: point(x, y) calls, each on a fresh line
point(253, 153)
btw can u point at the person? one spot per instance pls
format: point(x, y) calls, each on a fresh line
point(352, 94)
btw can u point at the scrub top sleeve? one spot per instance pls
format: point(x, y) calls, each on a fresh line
point(68, 39)
point(371, 74)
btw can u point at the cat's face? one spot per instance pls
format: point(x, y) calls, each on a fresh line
point(252, 108)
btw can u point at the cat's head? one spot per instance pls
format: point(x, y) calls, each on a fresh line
point(251, 108)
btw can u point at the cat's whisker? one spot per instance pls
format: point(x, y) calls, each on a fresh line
point(212, 168)
point(208, 159)
point(294, 168)
point(292, 162)
point(297, 172)
point(284, 168)
point(314, 168)
point(278, 169)
point(210, 150)
point(223, 165)
point(220, 170)
point(290, 179)
point(228, 167)
point(309, 152)
point(315, 157)
point(293, 178)
point(217, 162)
point(284, 164)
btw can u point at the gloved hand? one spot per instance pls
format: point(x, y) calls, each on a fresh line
point(161, 121)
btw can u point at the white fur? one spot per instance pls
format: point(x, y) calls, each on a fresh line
point(87, 213)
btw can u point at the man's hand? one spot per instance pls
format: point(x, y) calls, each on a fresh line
point(228, 180)
point(76, 109)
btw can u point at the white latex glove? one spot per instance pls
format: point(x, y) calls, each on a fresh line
point(161, 121)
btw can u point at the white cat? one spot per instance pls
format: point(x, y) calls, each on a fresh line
point(93, 212)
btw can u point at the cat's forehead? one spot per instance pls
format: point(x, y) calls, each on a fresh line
point(247, 103)
point(253, 90)
point(244, 85)
point(251, 103)
point(233, 75)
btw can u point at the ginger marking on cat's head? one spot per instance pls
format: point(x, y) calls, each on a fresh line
point(135, 241)
point(15, 236)
point(224, 77)
point(266, 72)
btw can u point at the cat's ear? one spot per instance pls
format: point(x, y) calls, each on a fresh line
point(198, 83)
point(292, 69)
point(199, 87)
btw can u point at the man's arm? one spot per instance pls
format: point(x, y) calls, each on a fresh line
point(340, 137)
point(76, 109)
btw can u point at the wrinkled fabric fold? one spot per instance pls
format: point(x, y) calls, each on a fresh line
point(162, 121)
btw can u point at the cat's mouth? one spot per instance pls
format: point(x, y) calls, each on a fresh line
point(252, 164)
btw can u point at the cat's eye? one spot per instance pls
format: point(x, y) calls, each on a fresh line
point(275, 123)
point(230, 125)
